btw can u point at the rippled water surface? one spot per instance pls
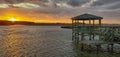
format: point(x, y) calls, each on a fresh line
point(35, 41)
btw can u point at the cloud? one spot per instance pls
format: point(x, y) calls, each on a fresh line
point(13, 1)
point(77, 2)
point(4, 6)
point(26, 5)
point(88, 4)
point(114, 6)
point(68, 8)
point(110, 7)
point(104, 2)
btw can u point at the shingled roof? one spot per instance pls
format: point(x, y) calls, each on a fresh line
point(87, 17)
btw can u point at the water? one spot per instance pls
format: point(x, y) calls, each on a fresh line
point(35, 41)
point(40, 41)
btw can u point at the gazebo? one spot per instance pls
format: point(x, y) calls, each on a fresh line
point(85, 24)
point(90, 25)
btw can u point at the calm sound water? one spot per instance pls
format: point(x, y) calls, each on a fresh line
point(35, 41)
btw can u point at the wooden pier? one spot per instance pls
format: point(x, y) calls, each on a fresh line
point(89, 26)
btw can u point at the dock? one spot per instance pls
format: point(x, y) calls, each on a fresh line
point(87, 29)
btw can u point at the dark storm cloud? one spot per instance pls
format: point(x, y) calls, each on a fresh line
point(69, 2)
point(49, 6)
point(104, 2)
point(77, 2)
point(14, 1)
point(114, 6)
point(63, 5)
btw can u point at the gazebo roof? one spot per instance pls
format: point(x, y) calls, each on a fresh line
point(87, 17)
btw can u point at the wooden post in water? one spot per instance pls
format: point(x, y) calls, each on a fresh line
point(77, 32)
point(73, 30)
point(98, 48)
point(90, 30)
point(83, 25)
point(112, 47)
point(100, 29)
point(93, 29)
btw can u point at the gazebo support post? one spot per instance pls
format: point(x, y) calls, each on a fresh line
point(93, 29)
point(77, 39)
point(72, 29)
point(99, 29)
point(75, 30)
point(112, 47)
point(83, 25)
point(90, 29)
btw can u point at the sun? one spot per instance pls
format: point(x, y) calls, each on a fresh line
point(12, 19)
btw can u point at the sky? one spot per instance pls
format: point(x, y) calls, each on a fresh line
point(59, 11)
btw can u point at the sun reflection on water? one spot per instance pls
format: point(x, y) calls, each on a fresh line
point(14, 43)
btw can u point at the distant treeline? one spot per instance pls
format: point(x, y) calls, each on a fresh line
point(4, 22)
